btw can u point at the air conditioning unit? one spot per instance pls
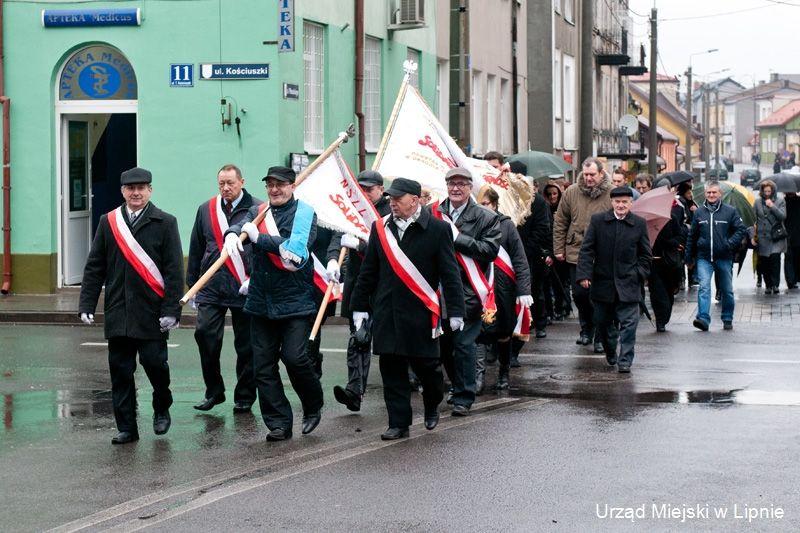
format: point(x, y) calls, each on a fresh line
point(411, 12)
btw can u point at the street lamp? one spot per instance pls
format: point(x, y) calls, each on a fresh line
point(688, 162)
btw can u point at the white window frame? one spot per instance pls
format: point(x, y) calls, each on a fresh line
point(492, 114)
point(443, 92)
point(569, 101)
point(313, 87)
point(477, 112)
point(416, 57)
point(569, 11)
point(557, 6)
point(372, 94)
point(506, 116)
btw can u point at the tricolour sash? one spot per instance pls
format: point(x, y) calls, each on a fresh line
point(477, 280)
point(503, 262)
point(408, 273)
point(522, 329)
point(219, 225)
point(134, 253)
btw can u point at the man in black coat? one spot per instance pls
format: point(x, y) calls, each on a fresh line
point(613, 264)
point(225, 290)
point(477, 238)
point(137, 255)
point(358, 355)
point(281, 303)
point(402, 325)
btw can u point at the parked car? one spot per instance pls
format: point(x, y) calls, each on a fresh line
point(728, 163)
point(749, 177)
point(720, 173)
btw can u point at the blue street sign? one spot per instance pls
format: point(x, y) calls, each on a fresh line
point(181, 75)
point(66, 18)
point(234, 71)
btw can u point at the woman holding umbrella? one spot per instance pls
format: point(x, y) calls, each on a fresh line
point(770, 239)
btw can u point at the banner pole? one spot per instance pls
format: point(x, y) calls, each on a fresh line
point(325, 300)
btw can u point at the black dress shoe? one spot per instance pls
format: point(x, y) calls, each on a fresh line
point(598, 347)
point(161, 423)
point(541, 334)
point(208, 403)
point(699, 324)
point(311, 421)
point(661, 329)
point(611, 359)
point(279, 434)
point(395, 433)
point(124, 437)
point(242, 407)
point(449, 397)
point(624, 369)
point(584, 339)
point(349, 399)
point(431, 420)
point(514, 363)
point(460, 410)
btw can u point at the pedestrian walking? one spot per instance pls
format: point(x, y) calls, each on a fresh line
point(614, 263)
point(643, 183)
point(137, 255)
point(281, 302)
point(589, 196)
point(409, 253)
point(476, 236)
point(558, 299)
point(792, 224)
point(716, 234)
point(770, 239)
point(225, 291)
point(667, 266)
point(358, 352)
point(689, 207)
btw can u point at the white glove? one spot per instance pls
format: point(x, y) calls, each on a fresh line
point(359, 317)
point(350, 241)
point(87, 318)
point(526, 300)
point(332, 271)
point(251, 230)
point(456, 323)
point(233, 244)
point(167, 323)
point(193, 303)
point(245, 287)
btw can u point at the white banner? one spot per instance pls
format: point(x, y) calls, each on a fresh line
point(340, 204)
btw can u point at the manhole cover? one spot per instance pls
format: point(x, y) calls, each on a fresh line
point(593, 377)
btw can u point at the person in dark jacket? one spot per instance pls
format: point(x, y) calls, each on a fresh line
point(770, 208)
point(557, 282)
point(281, 303)
point(477, 238)
point(358, 355)
point(716, 233)
point(686, 199)
point(613, 265)
point(137, 255)
point(792, 224)
point(403, 329)
point(224, 291)
point(512, 287)
point(665, 274)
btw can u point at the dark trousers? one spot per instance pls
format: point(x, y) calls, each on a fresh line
point(358, 360)
point(663, 283)
point(626, 315)
point(771, 269)
point(794, 257)
point(397, 393)
point(122, 364)
point(283, 340)
point(458, 357)
point(539, 272)
point(788, 267)
point(208, 335)
point(583, 302)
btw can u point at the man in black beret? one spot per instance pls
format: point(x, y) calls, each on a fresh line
point(137, 255)
point(613, 263)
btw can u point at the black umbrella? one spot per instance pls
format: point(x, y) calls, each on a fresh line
point(783, 182)
point(679, 176)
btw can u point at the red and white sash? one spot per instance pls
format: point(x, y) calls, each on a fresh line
point(409, 274)
point(219, 225)
point(477, 280)
point(134, 253)
point(503, 262)
point(522, 329)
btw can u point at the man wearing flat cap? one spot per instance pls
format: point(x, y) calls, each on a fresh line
point(281, 302)
point(613, 264)
point(358, 354)
point(409, 255)
point(476, 235)
point(137, 255)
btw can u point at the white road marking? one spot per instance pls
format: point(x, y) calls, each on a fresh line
point(771, 361)
point(104, 344)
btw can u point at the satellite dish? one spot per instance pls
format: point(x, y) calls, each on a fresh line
point(629, 125)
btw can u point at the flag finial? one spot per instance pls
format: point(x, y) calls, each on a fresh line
point(409, 67)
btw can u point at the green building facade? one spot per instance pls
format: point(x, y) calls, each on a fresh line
point(89, 101)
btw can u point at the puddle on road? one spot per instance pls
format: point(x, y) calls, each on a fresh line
point(709, 397)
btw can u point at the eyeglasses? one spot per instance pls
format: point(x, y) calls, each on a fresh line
point(278, 185)
point(458, 184)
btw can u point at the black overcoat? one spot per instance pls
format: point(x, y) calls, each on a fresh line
point(132, 308)
point(615, 256)
point(401, 323)
point(222, 289)
point(506, 291)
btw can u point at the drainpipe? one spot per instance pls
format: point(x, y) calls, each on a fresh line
point(359, 101)
point(6, 103)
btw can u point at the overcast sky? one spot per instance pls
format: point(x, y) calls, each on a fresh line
point(754, 37)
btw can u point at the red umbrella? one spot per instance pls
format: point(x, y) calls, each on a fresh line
point(654, 207)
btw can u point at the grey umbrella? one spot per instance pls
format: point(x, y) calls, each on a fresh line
point(783, 182)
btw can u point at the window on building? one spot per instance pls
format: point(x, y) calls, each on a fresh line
point(443, 93)
point(506, 117)
point(557, 101)
point(477, 112)
point(557, 6)
point(569, 103)
point(314, 87)
point(569, 11)
point(492, 114)
point(413, 55)
point(372, 93)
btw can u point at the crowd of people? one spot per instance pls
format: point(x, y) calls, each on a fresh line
point(449, 285)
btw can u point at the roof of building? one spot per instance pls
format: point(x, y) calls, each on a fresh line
point(782, 115)
point(665, 105)
point(660, 78)
point(717, 85)
point(667, 136)
point(763, 90)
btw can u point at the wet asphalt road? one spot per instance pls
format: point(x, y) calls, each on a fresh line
point(706, 422)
